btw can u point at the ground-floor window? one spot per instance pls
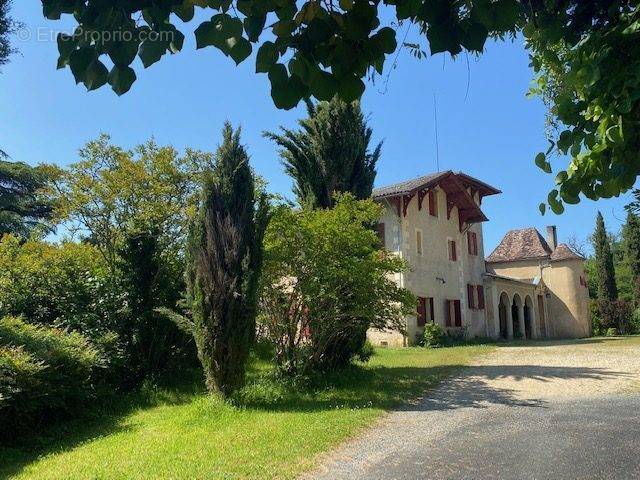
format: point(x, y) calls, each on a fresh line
point(453, 313)
point(425, 310)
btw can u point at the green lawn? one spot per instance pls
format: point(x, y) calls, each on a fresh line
point(270, 432)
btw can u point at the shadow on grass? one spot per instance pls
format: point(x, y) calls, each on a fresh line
point(356, 387)
point(405, 388)
point(103, 419)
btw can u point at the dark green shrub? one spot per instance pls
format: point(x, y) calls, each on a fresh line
point(634, 327)
point(45, 374)
point(366, 352)
point(614, 314)
point(611, 332)
point(151, 342)
point(455, 336)
point(432, 336)
point(596, 322)
point(65, 285)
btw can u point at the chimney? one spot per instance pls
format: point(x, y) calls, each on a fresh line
point(552, 237)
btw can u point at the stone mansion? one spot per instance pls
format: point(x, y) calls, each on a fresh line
point(528, 287)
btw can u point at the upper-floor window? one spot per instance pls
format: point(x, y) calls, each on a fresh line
point(453, 252)
point(380, 232)
point(433, 203)
point(419, 242)
point(472, 243)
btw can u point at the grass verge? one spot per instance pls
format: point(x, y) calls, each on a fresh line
point(271, 431)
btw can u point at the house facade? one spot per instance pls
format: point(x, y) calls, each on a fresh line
point(434, 222)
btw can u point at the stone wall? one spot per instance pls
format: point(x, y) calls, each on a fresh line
point(432, 274)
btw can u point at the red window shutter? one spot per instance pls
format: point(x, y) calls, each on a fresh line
point(453, 254)
point(433, 316)
point(447, 313)
point(470, 300)
point(422, 311)
point(472, 243)
point(433, 206)
point(458, 312)
point(380, 231)
point(480, 297)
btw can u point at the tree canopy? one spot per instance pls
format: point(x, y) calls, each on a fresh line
point(24, 204)
point(605, 273)
point(588, 78)
point(634, 206)
point(7, 26)
point(329, 153)
point(631, 236)
point(111, 193)
point(585, 55)
point(322, 291)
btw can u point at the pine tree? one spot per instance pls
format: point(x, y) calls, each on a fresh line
point(329, 154)
point(7, 26)
point(606, 280)
point(22, 204)
point(225, 262)
point(631, 235)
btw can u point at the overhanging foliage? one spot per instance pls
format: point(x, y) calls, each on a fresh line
point(585, 52)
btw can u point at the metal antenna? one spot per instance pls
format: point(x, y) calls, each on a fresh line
point(435, 116)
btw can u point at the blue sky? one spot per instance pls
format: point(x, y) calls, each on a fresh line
point(491, 132)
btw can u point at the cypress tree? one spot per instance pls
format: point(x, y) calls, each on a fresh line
point(225, 261)
point(329, 153)
point(605, 273)
point(631, 233)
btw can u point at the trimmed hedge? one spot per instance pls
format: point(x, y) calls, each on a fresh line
point(45, 374)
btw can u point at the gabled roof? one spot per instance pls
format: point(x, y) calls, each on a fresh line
point(411, 186)
point(408, 186)
point(523, 244)
point(528, 244)
point(459, 188)
point(564, 252)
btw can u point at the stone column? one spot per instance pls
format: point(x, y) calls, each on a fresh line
point(496, 313)
point(509, 323)
point(534, 321)
point(521, 321)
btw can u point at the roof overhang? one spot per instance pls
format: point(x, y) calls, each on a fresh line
point(431, 182)
point(455, 185)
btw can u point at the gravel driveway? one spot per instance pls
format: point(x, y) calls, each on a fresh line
point(545, 410)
